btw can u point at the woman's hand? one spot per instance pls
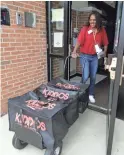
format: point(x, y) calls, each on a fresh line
point(74, 55)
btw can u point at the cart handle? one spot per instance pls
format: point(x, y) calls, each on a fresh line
point(67, 60)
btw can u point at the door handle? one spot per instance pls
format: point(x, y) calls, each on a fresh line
point(69, 53)
point(110, 65)
point(112, 68)
point(122, 75)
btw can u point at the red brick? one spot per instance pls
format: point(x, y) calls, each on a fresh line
point(27, 59)
point(5, 62)
point(17, 76)
point(3, 83)
point(7, 79)
point(7, 87)
point(21, 48)
point(10, 57)
point(8, 40)
point(7, 30)
point(22, 63)
point(26, 44)
point(5, 44)
point(9, 48)
point(29, 6)
point(9, 95)
point(20, 31)
point(8, 70)
point(14, 35)
point(12, 7)
point(15, 44)
point(5, 53)
point(3, 35)
point(11, 74)
point(4, 107)
point(17, 60)
point(22, 9)
point(20, 40)
point(19, 4)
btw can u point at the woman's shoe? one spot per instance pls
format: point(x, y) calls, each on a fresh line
point(92, 99)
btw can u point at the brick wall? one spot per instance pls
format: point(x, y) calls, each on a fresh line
point(23, 52)
point(57, 67)
point(82, 19)
point(73, 20)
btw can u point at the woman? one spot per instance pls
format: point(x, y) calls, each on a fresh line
point(90, 40)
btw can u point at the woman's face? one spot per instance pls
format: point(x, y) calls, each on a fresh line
point(92, 21)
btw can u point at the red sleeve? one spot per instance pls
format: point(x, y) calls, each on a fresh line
point(81, 36)
point(105, 38)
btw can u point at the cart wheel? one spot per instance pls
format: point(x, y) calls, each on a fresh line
point(17, 143)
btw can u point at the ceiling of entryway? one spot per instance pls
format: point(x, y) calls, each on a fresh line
point(79, 4)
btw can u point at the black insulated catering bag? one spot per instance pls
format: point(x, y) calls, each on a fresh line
point(70, 98)
point(73, 86)
point(37, 122)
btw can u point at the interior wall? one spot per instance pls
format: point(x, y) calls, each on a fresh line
point(79, 19)
point(77, 22)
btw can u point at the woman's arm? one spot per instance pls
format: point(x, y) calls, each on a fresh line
point(76, 47)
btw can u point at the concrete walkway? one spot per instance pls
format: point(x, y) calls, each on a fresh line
point(86, 137)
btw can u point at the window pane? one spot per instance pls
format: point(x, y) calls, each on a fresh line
point(57, 27)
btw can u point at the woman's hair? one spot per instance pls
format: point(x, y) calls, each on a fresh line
point(98, 19)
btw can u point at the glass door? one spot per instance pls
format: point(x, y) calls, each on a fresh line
point(115, 79)
point(58, 36)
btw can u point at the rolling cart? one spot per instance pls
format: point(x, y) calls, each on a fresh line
point(42, 117)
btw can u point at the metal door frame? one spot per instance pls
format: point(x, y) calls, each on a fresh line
point(67, 24)
point(120, 52)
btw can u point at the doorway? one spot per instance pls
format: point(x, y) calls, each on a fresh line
point(80, 14)
point(59, 48)
point(58, 37)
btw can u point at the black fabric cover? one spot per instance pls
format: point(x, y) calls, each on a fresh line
point(49, 123)
point(82, 90)
point(44, 115)
point(69, 98)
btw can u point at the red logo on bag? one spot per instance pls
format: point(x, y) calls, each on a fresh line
point(67, 86)
point(54, 94)
point(29, 122)
point(39, 105)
